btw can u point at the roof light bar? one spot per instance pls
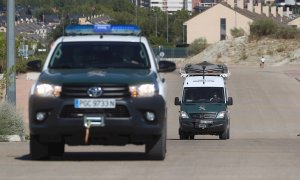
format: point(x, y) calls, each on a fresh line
point(103, 29)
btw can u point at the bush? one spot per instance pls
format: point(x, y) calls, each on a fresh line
point(243, 55)
point(11, 122)
point(263, 27)
point(286, 32)
point(197, 46)
point(237, 32)
point(21, 66)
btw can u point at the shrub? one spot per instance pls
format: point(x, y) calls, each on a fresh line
point(286, 32)
point(281, 48)
point(21, 66)
point(237, 32)
point(243, 55)
point(263, 27)
point(11, 122)
point(197, 46)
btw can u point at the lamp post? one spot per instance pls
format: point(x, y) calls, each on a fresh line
point(11, 53)
point(136, 6)
point(156, 24)
point(167, 27)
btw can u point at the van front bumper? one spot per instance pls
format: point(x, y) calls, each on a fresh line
point(214, 127)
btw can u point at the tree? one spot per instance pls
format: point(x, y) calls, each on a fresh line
point(2, 51)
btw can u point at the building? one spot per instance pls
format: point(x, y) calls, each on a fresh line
point(216, 23)
point(172, 5)
point(166, 5)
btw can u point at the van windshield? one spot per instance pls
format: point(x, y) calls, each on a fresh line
point(203, 95)
point(69, 55)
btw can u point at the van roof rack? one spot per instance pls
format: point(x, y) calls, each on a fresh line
point(205, 69)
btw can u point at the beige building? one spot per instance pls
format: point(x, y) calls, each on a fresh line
point(295, 22)
point(215, 23)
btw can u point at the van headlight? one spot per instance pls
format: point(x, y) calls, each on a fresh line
point(48, 90)
point(221, 115)
point(143, 90)
point(184, 115)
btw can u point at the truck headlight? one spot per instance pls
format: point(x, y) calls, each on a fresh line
point(48, 90)
point(143, 90)
point(184, 115)
point(221, 115)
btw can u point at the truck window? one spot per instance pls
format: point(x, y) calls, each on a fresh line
point(100, 55)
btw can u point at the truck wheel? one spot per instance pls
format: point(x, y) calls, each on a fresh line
point(226, 134)
point(38, 151)
point(156, 149)
point(56, 149)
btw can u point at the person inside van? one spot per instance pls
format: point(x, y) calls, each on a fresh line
point(215, 98)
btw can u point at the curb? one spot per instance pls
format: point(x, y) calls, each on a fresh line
point(12, 138)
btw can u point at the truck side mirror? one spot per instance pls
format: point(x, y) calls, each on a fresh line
point(35, 65)
point(166, 66)
point(177, 102)
point(230, 101)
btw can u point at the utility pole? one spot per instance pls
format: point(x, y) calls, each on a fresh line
point(167, 26)
point(11, 53)
point(156, 24)
point(136, 9)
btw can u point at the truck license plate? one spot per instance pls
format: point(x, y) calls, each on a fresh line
point(95, 103)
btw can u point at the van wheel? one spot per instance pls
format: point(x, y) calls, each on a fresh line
point(226, 134)
point(38, 151)
point(191, 137)
point(156, 149)
point(182, 135)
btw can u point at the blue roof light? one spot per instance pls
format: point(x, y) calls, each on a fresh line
point(103, 29)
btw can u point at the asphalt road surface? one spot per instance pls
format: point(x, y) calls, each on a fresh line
point(264, 144)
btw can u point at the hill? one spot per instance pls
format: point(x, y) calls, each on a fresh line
point(242, 51)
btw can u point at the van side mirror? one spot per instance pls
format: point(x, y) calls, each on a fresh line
point(229, 101)
point(177, 102)
point(35, 65)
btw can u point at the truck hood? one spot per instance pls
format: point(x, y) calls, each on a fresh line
point(110, 75)
point(202, 108)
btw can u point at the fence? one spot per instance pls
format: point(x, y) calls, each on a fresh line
point(180, 52)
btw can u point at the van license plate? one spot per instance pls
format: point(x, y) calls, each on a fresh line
point(95, 103)
point(202, 126)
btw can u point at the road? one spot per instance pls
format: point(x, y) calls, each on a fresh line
point(264, 140)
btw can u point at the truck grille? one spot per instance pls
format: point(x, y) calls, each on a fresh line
point(109, 90)
point(203, 115)
point(70, 112)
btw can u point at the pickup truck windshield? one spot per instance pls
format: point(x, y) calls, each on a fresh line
point(72, 55)
point(203, 95)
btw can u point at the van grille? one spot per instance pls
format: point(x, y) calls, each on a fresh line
point(203, 115)
point(109, 90)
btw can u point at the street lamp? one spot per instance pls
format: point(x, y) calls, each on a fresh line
point(11, 53)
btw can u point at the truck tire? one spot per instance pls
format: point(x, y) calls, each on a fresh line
point(156, 149)
point(56, 149)
point(38, 151)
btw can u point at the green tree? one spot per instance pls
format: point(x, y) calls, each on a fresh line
point(2, 51)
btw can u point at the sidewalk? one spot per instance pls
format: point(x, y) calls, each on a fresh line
point(23, 86)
